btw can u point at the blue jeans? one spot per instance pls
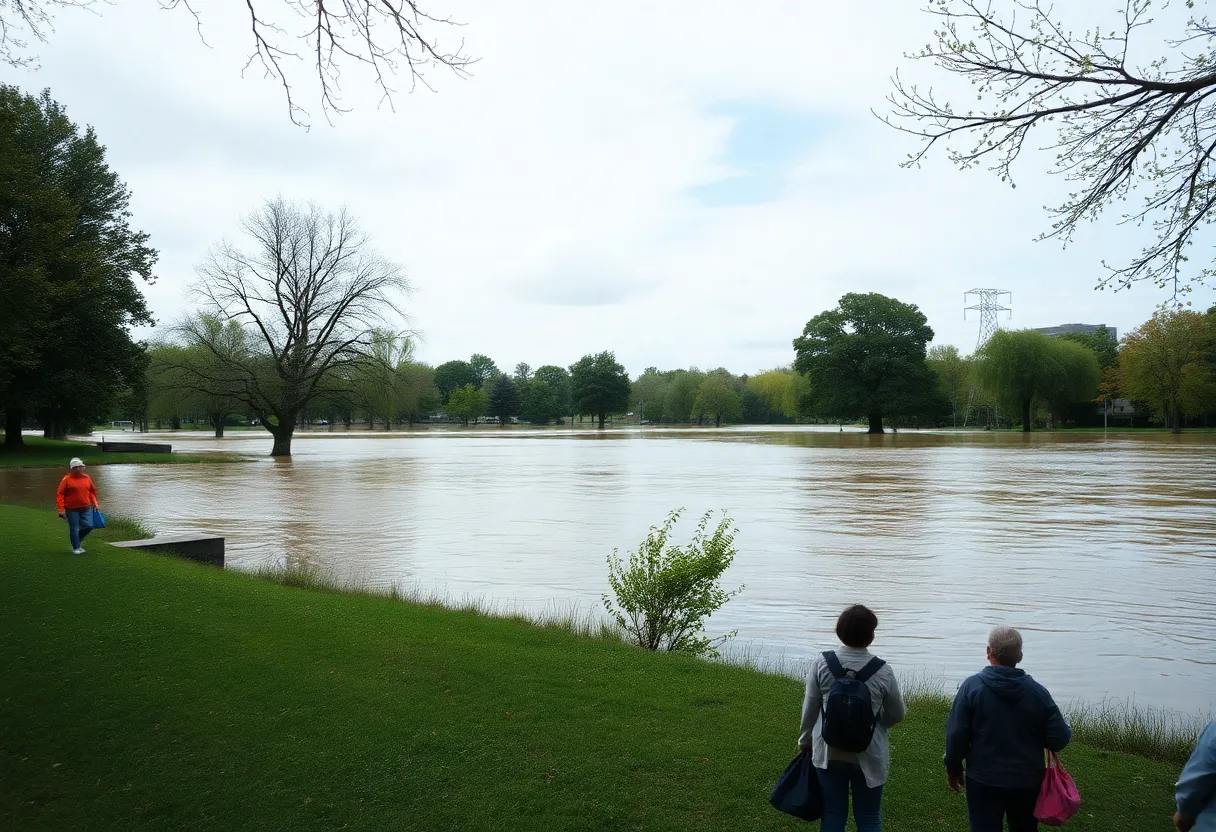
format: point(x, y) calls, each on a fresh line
point(867, 803)
point(76, 530)
point(988, 807)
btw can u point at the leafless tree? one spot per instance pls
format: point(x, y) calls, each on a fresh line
point(21, 20)
point(1119, 132)
point(313, 299)
point(385, 37)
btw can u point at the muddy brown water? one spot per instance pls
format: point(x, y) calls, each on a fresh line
point(1102, 549)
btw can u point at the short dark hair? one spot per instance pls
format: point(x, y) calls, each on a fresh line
point(856, 626)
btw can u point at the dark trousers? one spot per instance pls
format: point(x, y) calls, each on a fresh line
point(836, 782)
point(988, 806)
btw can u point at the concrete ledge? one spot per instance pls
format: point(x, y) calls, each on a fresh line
point(134, 448)
point(204, 548)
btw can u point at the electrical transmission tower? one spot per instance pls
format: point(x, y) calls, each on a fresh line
point(988, 304)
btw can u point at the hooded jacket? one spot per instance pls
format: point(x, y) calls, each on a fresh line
point(1196, 789)
point(1000, 723)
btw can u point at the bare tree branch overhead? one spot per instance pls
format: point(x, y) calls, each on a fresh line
point(1140, 135)
point(21, 20)
point(388, 38)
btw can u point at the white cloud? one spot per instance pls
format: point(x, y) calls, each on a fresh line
point(561, 172)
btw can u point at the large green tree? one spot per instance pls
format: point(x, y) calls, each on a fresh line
point(599, 386)
point(468, 402)
point(866, 359)
point(1166, 362)
point(68, 263)
point(650, 394)
point(418, 393)
point(452, 375)
point(682, 389)
point(717, 400)
point(1026, 367)
point(484, 369)
point(558, 381)
point(537, 404)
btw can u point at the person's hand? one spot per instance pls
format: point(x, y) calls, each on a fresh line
point(803, 747)
point(1183, 824)
point(61, 515)
point(955, 782)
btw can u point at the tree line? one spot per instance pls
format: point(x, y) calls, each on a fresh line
point(302, 321)
point(868, 360)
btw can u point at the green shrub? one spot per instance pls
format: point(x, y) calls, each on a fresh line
point(665, 592)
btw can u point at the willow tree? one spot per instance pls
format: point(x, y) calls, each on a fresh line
point(182, 379)
point(313, 298)
point(1123, 122)
point(1025, 368)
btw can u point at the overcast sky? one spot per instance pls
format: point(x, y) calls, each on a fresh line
point(685, 183)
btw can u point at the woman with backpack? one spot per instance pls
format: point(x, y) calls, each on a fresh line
point(852, 698)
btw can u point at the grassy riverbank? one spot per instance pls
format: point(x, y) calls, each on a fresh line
point(55, 453)
point(146, 692)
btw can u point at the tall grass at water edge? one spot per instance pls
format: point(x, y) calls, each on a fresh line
point(1112, 724)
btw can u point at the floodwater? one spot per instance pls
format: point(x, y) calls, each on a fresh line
point(1103, 550)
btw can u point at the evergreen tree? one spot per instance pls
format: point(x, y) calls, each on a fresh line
point(68, 263)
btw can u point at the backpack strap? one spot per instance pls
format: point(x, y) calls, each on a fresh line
point(833, 663)
point(872, 666)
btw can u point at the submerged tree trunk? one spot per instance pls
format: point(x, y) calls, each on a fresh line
point(876, 423)
point(1026, 415)
point(282, 433)
point(219, 428)
point(718, 420)
point(602, 416)
point(12, 427)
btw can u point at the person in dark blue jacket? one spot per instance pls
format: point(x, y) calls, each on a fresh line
point(1000, 724)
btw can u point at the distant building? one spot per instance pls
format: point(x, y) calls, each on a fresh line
point(1086, 328)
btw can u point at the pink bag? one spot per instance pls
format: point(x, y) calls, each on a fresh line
point(1058, 798)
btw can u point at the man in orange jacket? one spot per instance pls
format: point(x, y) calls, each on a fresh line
point(76, 499)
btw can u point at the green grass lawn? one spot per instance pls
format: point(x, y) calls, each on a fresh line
point(55, 453)
point(145, 692)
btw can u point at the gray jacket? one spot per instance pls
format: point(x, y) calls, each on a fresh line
point(875, 761)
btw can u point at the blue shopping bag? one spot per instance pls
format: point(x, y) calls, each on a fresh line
point(92, 519)
point(797, 792)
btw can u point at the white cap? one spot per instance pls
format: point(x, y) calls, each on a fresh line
point(76, 461)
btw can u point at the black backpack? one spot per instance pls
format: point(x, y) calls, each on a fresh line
point(848, 712)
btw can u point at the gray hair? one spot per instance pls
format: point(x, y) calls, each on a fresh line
point(1006, 646)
